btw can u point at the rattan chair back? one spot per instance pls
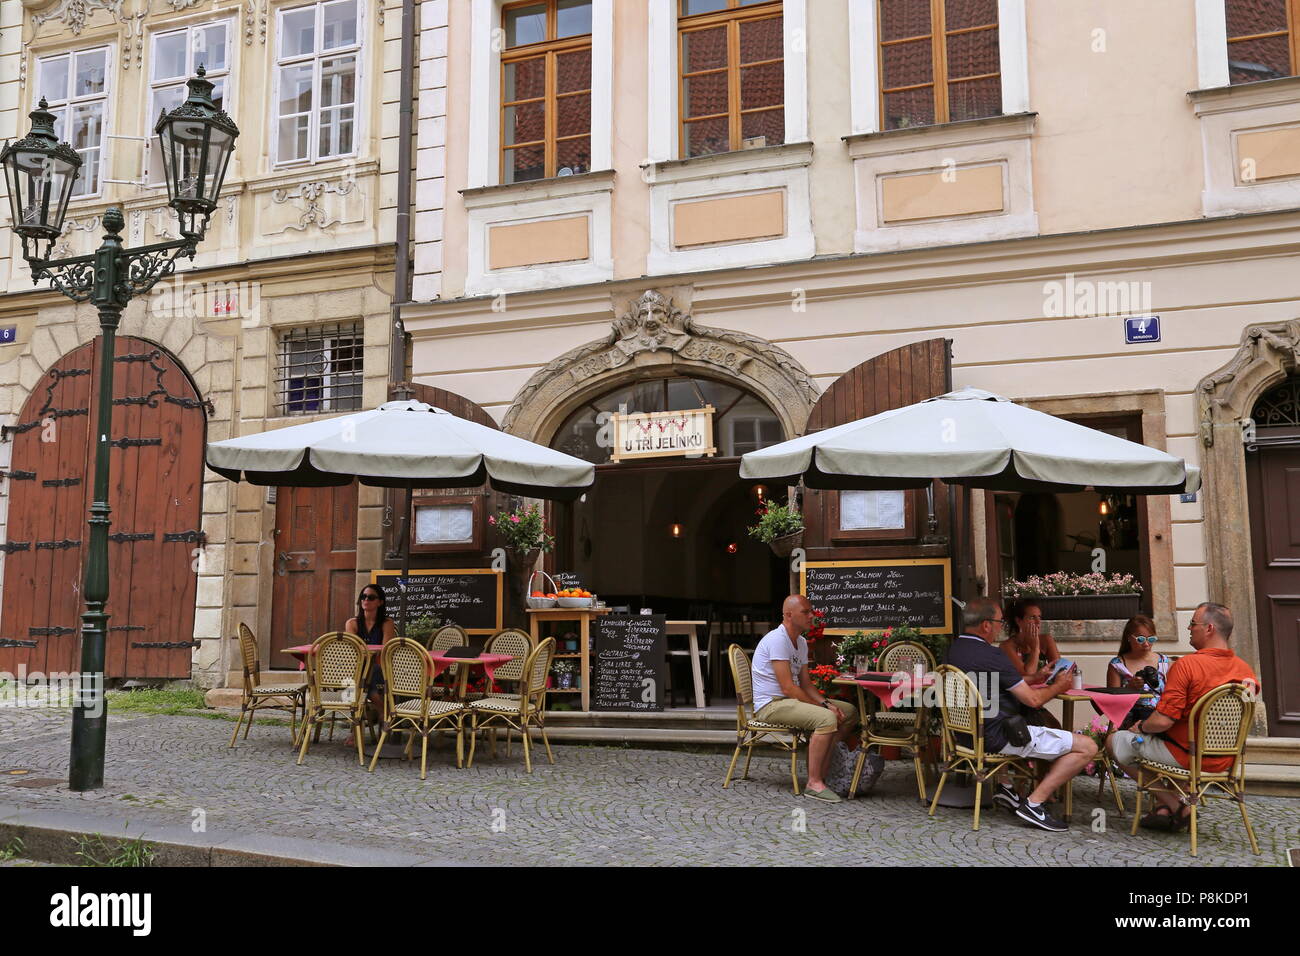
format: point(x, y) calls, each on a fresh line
point(532, 689)
point(248, 651)
point(518, 644)
point(743, 681)
point(962, 709)
point(406, 668)
point(1220, 722)
point(338, 661)
point(453, 635)
point(903, 656)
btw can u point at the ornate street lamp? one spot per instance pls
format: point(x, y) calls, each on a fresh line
point(197, 140)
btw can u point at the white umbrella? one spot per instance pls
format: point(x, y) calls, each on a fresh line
point(971, 437)
point(403, 444)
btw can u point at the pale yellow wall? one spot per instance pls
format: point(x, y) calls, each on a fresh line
point(1117, 142)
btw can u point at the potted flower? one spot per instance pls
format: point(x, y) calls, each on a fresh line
point(779, 527)
point(822, 677)
point(1064, 596)
point(563, 673)
point(859, 651)
point(525, 536)
point(1097, 731)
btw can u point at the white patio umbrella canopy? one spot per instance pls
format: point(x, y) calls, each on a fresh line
point(401, 444)
point(975, 438)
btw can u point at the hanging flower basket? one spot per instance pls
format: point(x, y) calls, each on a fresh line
point(782, 547)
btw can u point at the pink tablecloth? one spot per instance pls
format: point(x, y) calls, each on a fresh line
point(1115, 707)
point(893, 693)
point(490, 662)
point(302, 650)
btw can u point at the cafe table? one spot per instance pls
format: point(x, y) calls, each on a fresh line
point(1114, 707)
point(489, 663)
point(690, 630)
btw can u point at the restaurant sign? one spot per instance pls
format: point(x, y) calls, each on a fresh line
point(661, 434)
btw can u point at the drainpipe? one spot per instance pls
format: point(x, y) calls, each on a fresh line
point(402, 279)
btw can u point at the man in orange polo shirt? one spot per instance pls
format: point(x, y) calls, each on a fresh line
point(1163, 736)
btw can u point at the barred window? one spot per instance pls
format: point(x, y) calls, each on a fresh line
point(1263, 39)
point(320, 369)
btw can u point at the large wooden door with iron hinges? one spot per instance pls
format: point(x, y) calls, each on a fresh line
point(156, 462)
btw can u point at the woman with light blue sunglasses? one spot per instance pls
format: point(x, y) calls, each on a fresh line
point(1129, 668)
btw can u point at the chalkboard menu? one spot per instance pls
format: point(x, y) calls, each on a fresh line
point(873, 595)
point(470, 597)
point(628, 662)
point(566, 580)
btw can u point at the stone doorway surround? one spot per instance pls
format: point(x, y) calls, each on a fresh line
point(1268, 354)
point(651, 336)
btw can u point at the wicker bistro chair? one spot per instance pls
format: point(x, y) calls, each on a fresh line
point(528, 710)
point(288, 697)
point(408, 706)
point(750, 731)
point(1217, 726)
point(963, 737)
point(337, 670)
point(897, 728)
point(444, 639)
point(518, 644)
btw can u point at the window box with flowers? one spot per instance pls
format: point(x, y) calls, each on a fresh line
point(1062, 596)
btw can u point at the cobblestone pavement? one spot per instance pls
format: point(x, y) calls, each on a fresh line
point(596, 805)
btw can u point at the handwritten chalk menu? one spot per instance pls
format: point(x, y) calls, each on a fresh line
point(470, 597)
point(566, 580)
point(628, 662)
point(873, 595)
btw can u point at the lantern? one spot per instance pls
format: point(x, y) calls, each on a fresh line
point(197, 140)
point(40, 173)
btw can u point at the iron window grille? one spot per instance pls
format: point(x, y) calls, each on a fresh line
point(320, 369)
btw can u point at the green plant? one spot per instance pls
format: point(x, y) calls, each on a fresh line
point(94, 850)
point(12, 850)
point(524, 530)
point(775, 521)
point(563, 667)
point(148, 701)
point(422, 628)
point(1063, 583)
point(872, 644)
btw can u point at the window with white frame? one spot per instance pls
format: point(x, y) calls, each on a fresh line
point(318, 52)
point(76, 87)
point(320, 369)
point(175, 56)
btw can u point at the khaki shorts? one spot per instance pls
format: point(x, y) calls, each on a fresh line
point(1045, 743)
point(1124, 745)
point(805, 716)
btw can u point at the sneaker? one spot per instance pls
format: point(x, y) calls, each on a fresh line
point(1006, 797)
point(1040, 818)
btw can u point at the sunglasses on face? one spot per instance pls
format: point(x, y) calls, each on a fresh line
point(370, 597)
point(1146, 640)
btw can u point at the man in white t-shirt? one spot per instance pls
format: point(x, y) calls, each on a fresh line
point(785, 694)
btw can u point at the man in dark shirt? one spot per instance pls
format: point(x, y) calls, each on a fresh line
point(1004, 691)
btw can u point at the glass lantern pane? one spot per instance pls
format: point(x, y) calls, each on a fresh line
point(339, 24)
point(169, 56)
point(91, 69)
point(52, 81)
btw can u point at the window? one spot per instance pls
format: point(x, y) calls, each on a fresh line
point(1263, 39)
point(76, 87)
point(175, 56)
point(320, 369)
point(939, 61)
point(546, 90)
point(316, 77)
point(732, 56)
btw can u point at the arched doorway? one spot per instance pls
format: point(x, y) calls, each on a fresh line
point(1273, 489)
point(669, 533)
point(156, 455)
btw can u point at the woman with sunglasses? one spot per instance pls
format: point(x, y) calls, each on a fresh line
point(1137, 650)
point(373, 625)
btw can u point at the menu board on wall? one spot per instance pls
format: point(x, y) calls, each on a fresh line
point(470, 597)
point(628, 662)
point(874, 595)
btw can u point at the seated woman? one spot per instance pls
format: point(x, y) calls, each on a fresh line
point(373, 625)
point(1137, 652)
point(1029, 644)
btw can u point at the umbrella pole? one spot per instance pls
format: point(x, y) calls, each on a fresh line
point(406, 556)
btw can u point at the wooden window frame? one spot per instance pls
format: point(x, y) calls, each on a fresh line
point(731, 18)
point(911, 507)
point(939, 79)
point(1292, 34)
point(550, 49)
point(434, 500)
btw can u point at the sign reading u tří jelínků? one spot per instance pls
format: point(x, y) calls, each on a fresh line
point(663, 434)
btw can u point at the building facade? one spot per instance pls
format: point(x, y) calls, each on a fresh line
point(283, 315)
point(798, 213)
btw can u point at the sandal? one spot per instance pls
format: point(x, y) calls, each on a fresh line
point(1182, 823)
point(1155, 820)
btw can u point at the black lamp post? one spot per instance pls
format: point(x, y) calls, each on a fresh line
point(197, 140)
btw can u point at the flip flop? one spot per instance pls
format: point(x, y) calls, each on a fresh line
point(828, 795)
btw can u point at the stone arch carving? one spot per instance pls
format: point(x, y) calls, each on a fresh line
point(1225, 398)
point(654, 337)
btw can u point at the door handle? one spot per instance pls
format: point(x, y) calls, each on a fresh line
point(283, 559)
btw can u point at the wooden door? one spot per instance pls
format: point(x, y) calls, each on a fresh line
point(156, 466)
point(1273, 480)
point(911, 373)
point(315, 565)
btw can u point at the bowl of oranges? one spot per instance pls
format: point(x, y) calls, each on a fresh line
point(574, 597)
point(541, 600)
